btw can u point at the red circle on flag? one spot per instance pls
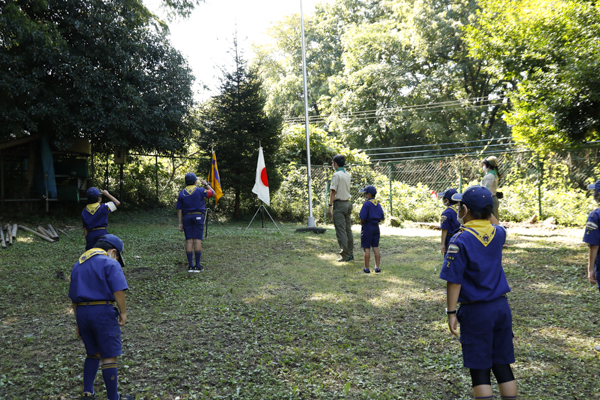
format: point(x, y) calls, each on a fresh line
point(263, 177)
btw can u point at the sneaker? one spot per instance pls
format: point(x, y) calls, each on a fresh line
point(199, 268)
point(126, 397)
point(88, 396)
point(367, 271)
point(191, 269)
point(597, 348)
point(350, 257)
point(377, 270)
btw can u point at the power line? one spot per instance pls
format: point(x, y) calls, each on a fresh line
point(446, 156)
point(438, 144)
point(439, 150)
point(468, 103)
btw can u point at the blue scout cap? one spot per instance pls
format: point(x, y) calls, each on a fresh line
point(369, 189)
point(93, 192)
point(448, 193)
point(595, 186)
point(476, 198)
point(190, 178)
point(116, 243)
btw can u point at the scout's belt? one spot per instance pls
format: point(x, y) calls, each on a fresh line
point(195, 212)
point(98, 228)
point(95, 303)
point(479, 301)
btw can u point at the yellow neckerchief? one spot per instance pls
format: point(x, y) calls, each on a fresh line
point(190, 189)
point(92, 208)
point(374, 201)
point(91, 253)
point(482, 229)
point(453, 207)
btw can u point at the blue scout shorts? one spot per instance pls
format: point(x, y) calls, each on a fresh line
point(193, 226)
point(92, 237)
point(99, 328)
point(369, 236)
point(486, 333)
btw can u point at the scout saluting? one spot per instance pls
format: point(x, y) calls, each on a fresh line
point(95, 215)
point(190, 213)
point(473, 269)
point(449, 220)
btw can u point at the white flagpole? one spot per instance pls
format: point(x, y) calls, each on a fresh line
point(311, 219)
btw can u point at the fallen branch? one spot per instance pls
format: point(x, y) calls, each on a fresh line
point(65, 233)
point(36, 233)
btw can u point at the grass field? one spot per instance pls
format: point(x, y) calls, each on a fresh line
point(275, 317)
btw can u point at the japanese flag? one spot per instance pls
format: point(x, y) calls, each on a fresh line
point(261, 186)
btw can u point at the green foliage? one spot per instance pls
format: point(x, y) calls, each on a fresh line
point(93, 69)
point(367, 56)
point(323, 147)
point(548, 52)
point(235, 123)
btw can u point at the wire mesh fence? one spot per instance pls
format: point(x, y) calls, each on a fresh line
point(406, 188)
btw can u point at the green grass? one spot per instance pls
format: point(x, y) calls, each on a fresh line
point(275, 317)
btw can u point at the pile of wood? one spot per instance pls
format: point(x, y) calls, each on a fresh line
point(8, 233)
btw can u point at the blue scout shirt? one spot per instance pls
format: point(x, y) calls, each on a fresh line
point(95, 215)
point(96, 277)
point(449, 221)
point(191, 200)
point(371, 212)
point(592, 232)
point(474, 260)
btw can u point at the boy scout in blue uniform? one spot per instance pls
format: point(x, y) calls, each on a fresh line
point(97, 282)
point(449, 221)
point(473, 269)
point(95, 215)
point(370, 215)
point(592, 238)
point(190, 213)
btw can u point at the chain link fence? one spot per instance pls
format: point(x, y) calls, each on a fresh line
point(407, 189)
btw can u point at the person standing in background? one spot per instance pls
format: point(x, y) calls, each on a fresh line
point(340, 208)
point(490, 181)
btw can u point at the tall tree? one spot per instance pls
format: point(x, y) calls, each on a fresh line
point(383, 62)
point(95, 69)
point(549, 52)
point(235, 122)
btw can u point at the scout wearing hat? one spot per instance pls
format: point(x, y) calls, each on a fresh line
point(190, 213)
point(475, 279)
point(449, 221)
point(95, 215)
point(97, 283)
point(592, 238)
point(491, 179)
point(371, 214)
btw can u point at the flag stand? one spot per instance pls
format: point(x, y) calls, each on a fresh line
point(262, 206)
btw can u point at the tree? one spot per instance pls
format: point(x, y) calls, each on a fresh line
point(373, 66)
point(236, 123)
point(549, 53)
point(95, 69)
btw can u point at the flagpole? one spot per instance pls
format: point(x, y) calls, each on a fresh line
point(311, 219)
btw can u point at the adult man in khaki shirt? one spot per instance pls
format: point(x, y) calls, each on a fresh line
point(340, 208)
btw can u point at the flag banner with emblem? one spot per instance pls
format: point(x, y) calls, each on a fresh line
point(214, 179)
point(261, 186)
